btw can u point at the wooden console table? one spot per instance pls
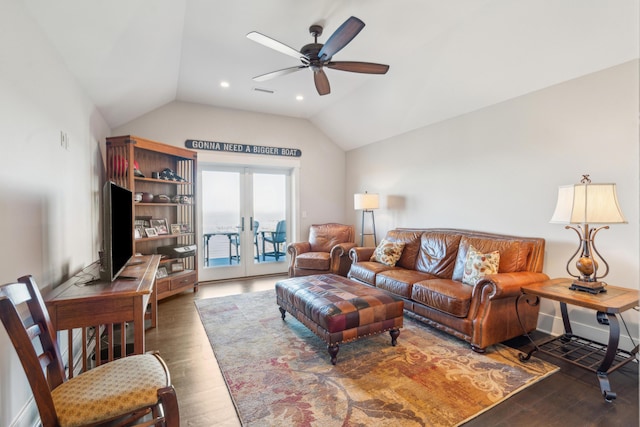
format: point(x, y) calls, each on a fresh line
point(599, 358)
point(100, 305)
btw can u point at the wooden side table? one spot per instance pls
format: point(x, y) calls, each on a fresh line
point(596, 357)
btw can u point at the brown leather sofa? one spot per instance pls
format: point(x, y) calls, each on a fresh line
point(428, 276)
point(327, 251)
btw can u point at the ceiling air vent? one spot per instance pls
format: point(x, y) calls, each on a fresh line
point(259, 89)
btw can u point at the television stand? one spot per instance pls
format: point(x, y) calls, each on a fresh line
point(105, 304)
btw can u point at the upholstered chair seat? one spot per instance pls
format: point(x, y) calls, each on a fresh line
point(107, 391)
point(314, 261)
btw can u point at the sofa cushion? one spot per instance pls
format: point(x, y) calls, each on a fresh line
point(387, 252)
point(513, 254)
point(444, 295)
point(411, 240)
point(313, 261)
point(478, 265)
point(366, 271)
point(438, 253)
point(399, 281)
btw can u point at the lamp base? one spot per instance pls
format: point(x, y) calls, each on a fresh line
point(591, 287)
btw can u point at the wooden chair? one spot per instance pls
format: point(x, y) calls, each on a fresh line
point(130, 390)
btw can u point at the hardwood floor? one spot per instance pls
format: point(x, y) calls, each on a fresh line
point(567, 398)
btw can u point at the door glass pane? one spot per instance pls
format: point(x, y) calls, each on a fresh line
point(269, 207)
point(220, 218)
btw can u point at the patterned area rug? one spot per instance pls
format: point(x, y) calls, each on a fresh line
point(279, 373)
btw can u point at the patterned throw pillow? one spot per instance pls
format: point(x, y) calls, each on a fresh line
point(388, 253)
point(478, 265)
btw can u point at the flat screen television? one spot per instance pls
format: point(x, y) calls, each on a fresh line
point(117, 230)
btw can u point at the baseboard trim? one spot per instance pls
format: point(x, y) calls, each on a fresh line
point(28, 416)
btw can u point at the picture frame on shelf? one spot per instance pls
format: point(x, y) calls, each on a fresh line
point(160, 225)
point(143, 221)
point(140, 231)
point(185, 228)
point(177, 267)
point(161, 273)
point(176, 229)
point(137, 233)
point(151, 232)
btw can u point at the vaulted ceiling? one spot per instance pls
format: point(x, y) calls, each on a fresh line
point(446, 57)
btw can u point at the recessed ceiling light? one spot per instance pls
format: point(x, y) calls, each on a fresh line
point(224, 84)
point(299, 97)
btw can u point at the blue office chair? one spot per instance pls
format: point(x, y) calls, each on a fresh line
point(277, 239)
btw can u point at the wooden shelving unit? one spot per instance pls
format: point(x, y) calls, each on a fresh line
point(124, 155)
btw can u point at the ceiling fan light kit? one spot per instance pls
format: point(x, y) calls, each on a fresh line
point(316, 55)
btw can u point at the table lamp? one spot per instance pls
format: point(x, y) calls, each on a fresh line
point(584, 204)
point(367, 202)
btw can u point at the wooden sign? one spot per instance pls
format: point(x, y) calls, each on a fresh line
point(229, 147)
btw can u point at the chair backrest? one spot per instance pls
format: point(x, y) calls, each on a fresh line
point(280, 235)
point(256, 225)
point(323, 237)
point(26, 319)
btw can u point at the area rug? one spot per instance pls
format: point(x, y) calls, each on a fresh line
point(279, 373)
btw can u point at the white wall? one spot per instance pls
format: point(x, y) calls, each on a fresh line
point(321, 166)
point(49, 194)
point(498, 169)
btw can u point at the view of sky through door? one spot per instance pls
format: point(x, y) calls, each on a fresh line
point(221, 200)
point(269, 201)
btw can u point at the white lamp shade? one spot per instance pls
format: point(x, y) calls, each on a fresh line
point(366, 201)
point(587, 204)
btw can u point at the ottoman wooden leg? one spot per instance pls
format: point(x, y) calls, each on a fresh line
point(333, 351)
point(282, 312)
point(395, 333)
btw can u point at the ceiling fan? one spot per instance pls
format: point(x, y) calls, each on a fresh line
point(317, 56)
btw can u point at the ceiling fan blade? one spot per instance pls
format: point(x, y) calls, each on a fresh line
point(341, 37)
point(278, 73)
point(358, 67)
point(276, 45)
point(322, 82)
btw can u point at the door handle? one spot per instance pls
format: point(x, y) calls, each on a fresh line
point(242, 224)
point(250, 223)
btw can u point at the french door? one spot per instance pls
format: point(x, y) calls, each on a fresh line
point(245, 217)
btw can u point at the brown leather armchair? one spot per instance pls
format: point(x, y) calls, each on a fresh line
point(327, 251)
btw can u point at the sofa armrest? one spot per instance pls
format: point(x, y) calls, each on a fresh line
point(341, 249)
point(506, 285)
point(340, 262)
point(359, 253)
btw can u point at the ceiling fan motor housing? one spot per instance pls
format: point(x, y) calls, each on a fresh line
point(311, 51)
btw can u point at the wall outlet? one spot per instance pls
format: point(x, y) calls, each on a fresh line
point(64, 140)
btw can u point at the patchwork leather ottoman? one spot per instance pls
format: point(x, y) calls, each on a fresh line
point(339, 310)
